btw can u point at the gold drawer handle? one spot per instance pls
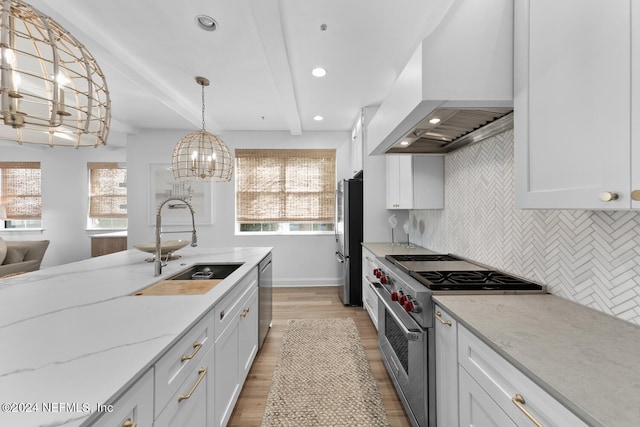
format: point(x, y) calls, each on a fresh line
point(196, 347)
point(635, 195)
point(202, 373)
point(438, 316)
point(129, 423)
point(244, 312)
point(519, 401)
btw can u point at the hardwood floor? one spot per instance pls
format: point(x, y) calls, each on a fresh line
point(310, 303)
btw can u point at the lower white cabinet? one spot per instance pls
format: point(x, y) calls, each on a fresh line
point(191, 405)
point(446, 331)
point(369, 298)
point(235, 348)
point(487, 380)
point(133, 408)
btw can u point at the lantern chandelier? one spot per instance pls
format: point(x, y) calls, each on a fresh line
point(52, 91)
point(201, 155)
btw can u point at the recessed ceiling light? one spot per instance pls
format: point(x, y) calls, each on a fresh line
point(318, 118)
point(319, 72)
point(206, 22)
point(434, 121)
point(404, 143)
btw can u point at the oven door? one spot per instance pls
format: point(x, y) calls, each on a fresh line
point(404, 344)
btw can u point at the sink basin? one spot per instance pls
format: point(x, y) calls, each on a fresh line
point(206, 271)
point(196, 280)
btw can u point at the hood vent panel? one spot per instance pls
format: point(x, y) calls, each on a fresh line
point(455, 129)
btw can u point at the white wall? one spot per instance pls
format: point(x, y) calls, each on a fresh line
point(297, 260)
point(64, 195)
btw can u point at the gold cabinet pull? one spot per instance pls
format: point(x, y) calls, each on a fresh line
point(438, 316)
point(244, 312)
point(202, 373)
point(519, 401)
point(608, 196)
point(635, 195)
point(196, 347)
point(129, 423)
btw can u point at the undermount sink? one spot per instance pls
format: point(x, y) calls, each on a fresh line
point(206, 271)
point(196, 280)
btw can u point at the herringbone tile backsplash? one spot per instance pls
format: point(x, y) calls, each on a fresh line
point(591, 257)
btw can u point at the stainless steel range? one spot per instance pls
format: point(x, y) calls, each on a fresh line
point(404, 285)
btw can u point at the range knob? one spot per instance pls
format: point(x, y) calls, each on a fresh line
point(408, 306)
point(383, 280)
point(402, 299)
point(394, 296)
point(376, 272)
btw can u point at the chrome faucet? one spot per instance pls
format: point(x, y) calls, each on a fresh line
point(194, 238)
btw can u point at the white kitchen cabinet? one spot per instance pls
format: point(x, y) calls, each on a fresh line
point(446, 331)
point(235, 347)
point(415, 182)
point(369, 298)
point(134, 407)
point(191, 405)
point(493, 381)
point(575, 92)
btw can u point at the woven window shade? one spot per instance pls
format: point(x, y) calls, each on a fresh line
point(20, 190)
point(105, 194)
point(285, 185)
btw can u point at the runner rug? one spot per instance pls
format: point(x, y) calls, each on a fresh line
point(322, 378)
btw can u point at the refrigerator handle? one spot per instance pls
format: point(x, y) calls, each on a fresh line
point(335, 217)
point(340, 257)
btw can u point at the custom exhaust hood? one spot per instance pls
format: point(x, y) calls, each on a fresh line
point(456, 89)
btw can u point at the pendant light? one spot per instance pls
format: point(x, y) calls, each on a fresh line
point(52, 91)
point(201, 155)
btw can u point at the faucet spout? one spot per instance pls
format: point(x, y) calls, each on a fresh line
point(157, 264)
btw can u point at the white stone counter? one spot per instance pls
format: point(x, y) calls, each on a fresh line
point(72, 334)
point(381, 249)
point(587, 360)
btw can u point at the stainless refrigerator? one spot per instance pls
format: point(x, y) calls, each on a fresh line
point(348, 229)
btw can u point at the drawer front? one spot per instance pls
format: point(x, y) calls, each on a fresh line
point(135, 406)
point(173, 368)
point(477, 408)
point(191, 405)
point(503, 382)
point(231, 304)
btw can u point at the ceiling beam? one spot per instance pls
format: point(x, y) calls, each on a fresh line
point(268, 22)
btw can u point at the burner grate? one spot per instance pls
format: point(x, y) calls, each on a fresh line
point(472, 281)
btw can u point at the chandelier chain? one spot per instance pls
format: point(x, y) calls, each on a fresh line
point(202, 107)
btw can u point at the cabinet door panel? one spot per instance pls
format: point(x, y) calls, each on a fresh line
point(572, 100)
point(477, 408)
point(227, 370)
point(446, 368)
point(248, 335)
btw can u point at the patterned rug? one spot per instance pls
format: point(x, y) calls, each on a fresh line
point(322, 378)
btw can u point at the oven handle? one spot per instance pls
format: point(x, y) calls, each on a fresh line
point(413, 332)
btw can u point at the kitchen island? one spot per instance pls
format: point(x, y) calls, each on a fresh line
point(74, 338)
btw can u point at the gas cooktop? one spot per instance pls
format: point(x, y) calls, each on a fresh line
point(481, 280)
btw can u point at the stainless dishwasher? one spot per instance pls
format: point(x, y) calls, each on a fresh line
point(265, 282)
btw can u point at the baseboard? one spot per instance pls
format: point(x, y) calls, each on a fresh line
point(306, 282)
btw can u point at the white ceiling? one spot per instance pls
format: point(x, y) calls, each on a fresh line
point(259, 60)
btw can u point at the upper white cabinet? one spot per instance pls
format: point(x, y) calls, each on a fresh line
point(574, 93)
point(415, 182)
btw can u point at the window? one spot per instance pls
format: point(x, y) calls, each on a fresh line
point(285, 191)
point(20, 196)
point(107, 195)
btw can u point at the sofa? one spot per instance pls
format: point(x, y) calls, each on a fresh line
point(21, 256)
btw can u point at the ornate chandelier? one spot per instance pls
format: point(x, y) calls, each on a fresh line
point(52, 91)
point(201, 155)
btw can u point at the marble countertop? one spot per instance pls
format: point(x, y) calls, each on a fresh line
point(381, 249)
point(73, 334)
point(589, 361)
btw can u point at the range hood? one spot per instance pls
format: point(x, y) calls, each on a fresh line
point(456, 89)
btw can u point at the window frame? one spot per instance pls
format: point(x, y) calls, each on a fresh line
point(26, 221)
point(111, 222)
point(325, 165)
